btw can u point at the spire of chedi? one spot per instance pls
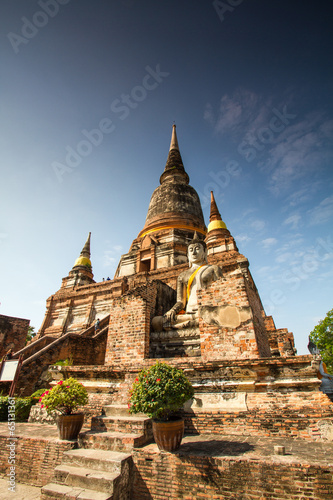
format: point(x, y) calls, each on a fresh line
point(215, 219)
point(218, 237)
point(174, 203)
point(174, 166)
point(174, 214)
point(84, 259)
point(81, 272)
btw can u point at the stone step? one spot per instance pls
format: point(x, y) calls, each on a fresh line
point(84, 477)
point(112, 441)
point(119, 410)
point(102, 460)
point(127, 424)
point(116, 410)
point(53, 491)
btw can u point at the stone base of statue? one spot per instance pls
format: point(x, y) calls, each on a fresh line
point(179, 342)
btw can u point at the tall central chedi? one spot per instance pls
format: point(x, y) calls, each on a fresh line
point(174, 214)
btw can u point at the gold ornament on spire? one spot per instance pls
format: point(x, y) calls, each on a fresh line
point(215, 219)
point(84, 259)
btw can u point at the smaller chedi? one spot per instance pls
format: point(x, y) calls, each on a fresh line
point(184, 313)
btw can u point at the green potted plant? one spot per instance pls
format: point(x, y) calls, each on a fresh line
point(66, 397)
point(158, 392)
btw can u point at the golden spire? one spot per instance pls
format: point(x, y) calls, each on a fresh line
point(215, 219)
point(84, 259)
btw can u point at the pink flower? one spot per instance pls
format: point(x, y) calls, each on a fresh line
point(67, 386)
point(60, 383)
point(47, 392)
point(40, 400)
point(42, 406)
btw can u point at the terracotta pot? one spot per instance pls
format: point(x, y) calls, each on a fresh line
point(69, 426)
point(168, 435)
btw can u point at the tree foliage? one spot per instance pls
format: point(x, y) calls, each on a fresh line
point(322, 336)
point(31, 334)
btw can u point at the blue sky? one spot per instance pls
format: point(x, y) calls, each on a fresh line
point(89, 92)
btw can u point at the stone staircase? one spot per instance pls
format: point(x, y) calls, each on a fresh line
point(117, 430)
point(101, 468)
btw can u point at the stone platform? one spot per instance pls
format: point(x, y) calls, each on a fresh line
point(225, 461)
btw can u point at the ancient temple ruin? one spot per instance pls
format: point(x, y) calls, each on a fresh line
point(246, 374)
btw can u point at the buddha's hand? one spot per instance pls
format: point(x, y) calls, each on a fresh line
point(170, 316)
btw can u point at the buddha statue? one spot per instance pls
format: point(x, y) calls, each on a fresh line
point(184, 314)
point(326, 379)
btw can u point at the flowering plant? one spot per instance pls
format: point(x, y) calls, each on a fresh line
point(159, 391)
point(65, 397)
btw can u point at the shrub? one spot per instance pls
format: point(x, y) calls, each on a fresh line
point(22, 408)
point(65, 397)
point(3, 408)
point(37, 395)
point(159, 391)
point(64, 362)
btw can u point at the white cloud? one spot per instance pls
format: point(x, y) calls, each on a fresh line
point(242, 238)
point(209, 114)
point(108, 260)
point(322, 212)
point(269, 242)
point(117, 248)
point(303, 194)
point(241, 109)
point(293, 221)
point(257, 225)
point(265, 270)
point(111, 256)
point(283, 257)
point(302, 147)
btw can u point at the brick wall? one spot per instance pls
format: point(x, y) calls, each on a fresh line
point(232, 326)
point(130, 317)
point(258, 319)
point(306, 415)
point(35, 458)
point(165, 475)
point(13, 333)
point(83, 351)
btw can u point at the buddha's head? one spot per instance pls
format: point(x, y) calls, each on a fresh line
point(196, 251)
